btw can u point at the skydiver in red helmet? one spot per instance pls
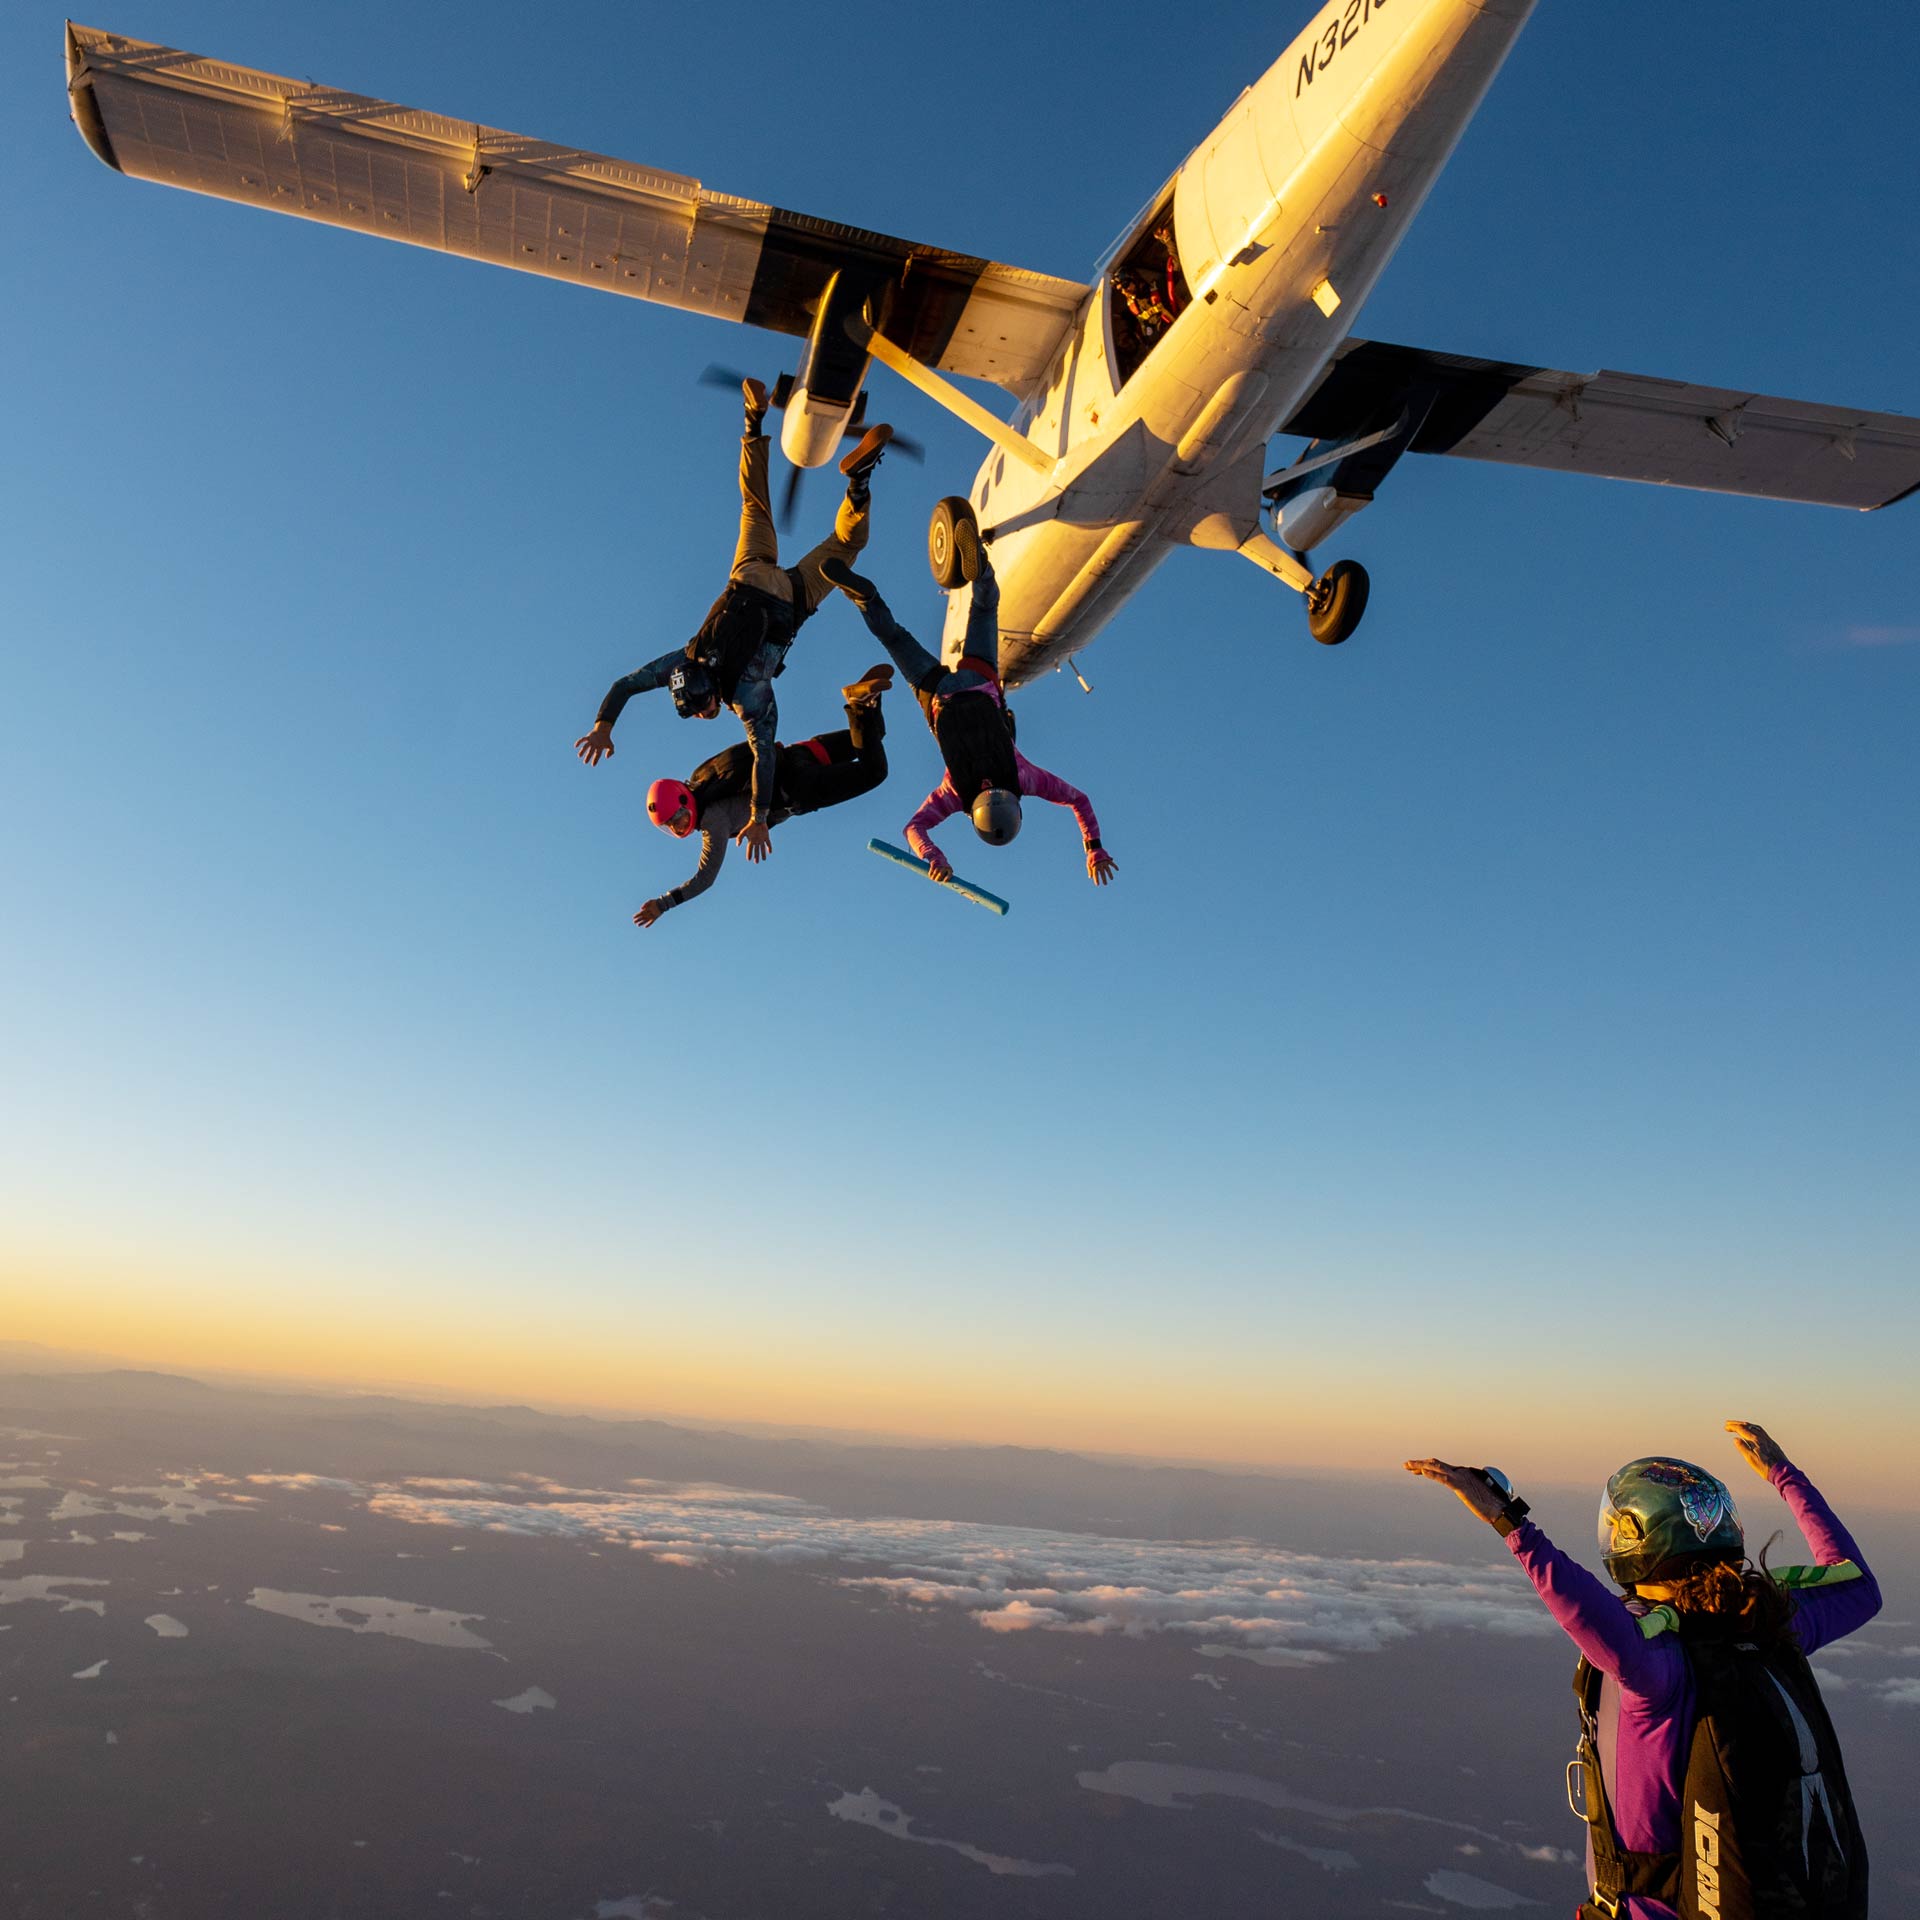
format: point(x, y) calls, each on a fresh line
point(714, 800)
point(742, 644)
point(986, 776)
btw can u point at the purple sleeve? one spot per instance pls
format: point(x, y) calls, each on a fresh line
point(942, 802)
point(1596, 1620)
point(1826, 1613)
point(1043, 785)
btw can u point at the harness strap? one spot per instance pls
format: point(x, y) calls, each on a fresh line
point(1617, 1871)
point(817, 750)
point(972, 663)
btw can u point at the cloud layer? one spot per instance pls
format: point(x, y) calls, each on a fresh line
point(1234, 1597)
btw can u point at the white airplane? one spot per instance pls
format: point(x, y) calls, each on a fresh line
point(1146, 396)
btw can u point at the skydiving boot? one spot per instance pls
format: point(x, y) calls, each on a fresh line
point(966, 546)
point(866, 724)
point(858, 466)
point(866, 691)
point(856, 586)
point(754, 392)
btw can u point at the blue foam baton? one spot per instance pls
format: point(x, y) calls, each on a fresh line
point(902, 858)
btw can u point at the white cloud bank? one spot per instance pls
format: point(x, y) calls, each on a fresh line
point(1233, 1597)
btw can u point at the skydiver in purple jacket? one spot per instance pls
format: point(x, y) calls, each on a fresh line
point(1673, 1541)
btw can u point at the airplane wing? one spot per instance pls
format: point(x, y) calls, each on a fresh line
point(348, 161)
point(1626, 426)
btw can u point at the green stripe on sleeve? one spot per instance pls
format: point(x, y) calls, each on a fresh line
point(1794, 1579)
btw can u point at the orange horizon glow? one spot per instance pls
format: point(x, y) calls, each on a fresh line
point(1319, 1420)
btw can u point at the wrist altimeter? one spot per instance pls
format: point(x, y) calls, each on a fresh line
point(1512, 1508)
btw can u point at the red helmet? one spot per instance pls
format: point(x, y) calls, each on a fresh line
point(665, 799)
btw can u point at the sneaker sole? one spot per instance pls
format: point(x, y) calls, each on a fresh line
point(872, 445)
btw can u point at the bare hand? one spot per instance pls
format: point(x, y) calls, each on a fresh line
point(939, 867)
point(595, 745)
point(756, 839)
point(1468, 1482)
point(1101, 866)
point(649, 913)
point(1757, 1447)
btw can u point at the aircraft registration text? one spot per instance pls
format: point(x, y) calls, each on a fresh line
point(1341, 28)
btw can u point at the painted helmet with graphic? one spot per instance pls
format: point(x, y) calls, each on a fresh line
point(1658, 1513)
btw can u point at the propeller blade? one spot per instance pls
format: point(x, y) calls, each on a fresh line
point(718, 376)
point(790, 498)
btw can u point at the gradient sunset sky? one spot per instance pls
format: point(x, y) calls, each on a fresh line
point(1500, 1041)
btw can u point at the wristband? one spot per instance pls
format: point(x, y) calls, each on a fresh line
point(1513, 1509)
point(1094, 846)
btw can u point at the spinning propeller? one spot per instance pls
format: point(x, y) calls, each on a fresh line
point(778, 396)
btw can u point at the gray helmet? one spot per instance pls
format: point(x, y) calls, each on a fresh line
point(996, 816)
point(1656, 1514)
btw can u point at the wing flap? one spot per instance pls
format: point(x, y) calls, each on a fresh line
point(350, 161)
point(1622, 426)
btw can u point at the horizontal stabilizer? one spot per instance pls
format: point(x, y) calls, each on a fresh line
point(349, 161)
point(1624, 426)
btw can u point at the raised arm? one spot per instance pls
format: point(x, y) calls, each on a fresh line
point(596, 744)
point(941, 804)
point(713, 854)
point(1042, 785)
point(1847, 1596)
point(760, 715)
point(1590, 1613)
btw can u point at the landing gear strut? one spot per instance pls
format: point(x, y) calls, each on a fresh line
point(1336, 601)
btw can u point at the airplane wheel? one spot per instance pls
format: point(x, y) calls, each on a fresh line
point(943, 549)
point(1336, 601)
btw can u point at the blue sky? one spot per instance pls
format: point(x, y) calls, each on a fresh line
point(1522, 989)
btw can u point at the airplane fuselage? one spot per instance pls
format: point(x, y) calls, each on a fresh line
point(1282, 219)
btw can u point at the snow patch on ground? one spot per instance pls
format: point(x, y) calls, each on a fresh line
point(372, 1613)
point(166, 1626)
point(46, 1586)
point(93, 1672)
point(534, 1700)
point(1468, 1890)
point(1328, 1859)
point(867, 1809)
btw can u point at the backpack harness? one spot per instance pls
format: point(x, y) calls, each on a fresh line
point(728, 775)
point(1767, 1826)
point(976, 736)
point(739, 623)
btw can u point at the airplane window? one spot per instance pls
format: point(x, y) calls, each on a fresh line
point(1149, 291)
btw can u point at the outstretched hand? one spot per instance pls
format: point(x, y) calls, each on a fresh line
point(939, 867)
point(1757, 1447)
point(595, 745)
point(649, 913)
point(1101, 866)
point(1468, 1482)
point(756, 839)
